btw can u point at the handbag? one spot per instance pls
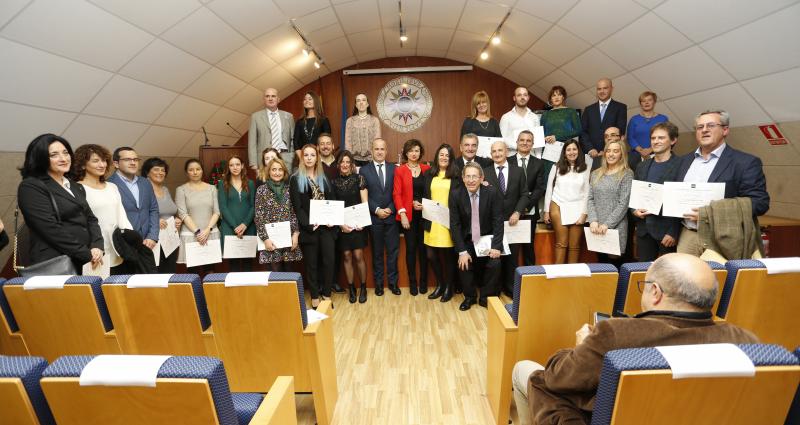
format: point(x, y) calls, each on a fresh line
point(61, 265)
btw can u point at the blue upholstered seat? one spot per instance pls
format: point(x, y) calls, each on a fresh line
point(539, 270)
point(793, 418)
point(275, 277)
point(617, 361)
point(232, 409)
point(197, 290)
point(29, 371)
point(733, 267)
point(96, 284)
point(5, 309)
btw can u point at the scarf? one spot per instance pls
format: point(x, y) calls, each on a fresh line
point(278, 189)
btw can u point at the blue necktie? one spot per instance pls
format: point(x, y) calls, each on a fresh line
point(603, 110)
point(501, 179)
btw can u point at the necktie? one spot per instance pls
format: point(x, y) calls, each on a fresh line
point(273, 128)
point(380, 176)
point(476, 222)
point(603, 110)
point(501, 179)
point(525, 168)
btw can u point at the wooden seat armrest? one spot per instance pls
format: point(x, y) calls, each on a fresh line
point(318, 340)
point(209, 342)
point(501, 344)
point(278, 406)
point(324, 308)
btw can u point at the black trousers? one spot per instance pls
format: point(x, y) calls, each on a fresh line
point(240, 264)
point(483, 272)
point(319, 245)
point(649, 248)
point(167, 264)
point(415, 249)
point(385, 237)
point(607, 259)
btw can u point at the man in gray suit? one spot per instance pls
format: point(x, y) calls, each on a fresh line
point(270, 128)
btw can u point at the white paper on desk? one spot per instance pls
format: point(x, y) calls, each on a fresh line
point(485, 145)
point(519, 233)
point(103, 270)
point(707, 361)
point(681, 197)
point(46, 282)
point(240, 248)
point(314, 316)
point(357, 216)
point(435, 212)
point(279, 233)
point(538, 136)
point(553, 271)
point(122, 370)
point(157, 253)
point(781, 265)
point(157, 280)
point(571, 212)
point(168, 238)
point(607, 244)
point(200, 255)
point(484, 245)
point(326, 212)
point(247, 279)
point(646, 196)
point(552, 151)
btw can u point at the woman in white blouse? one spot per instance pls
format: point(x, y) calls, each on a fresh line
point(565, 201)
point(91, 165)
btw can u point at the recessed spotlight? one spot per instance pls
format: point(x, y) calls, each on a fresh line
point(316, 64)
point(403, 38)
point(484, 55)
point(496, 40)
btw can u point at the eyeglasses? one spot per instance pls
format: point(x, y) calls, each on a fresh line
point(710, 126)
point(640, 284)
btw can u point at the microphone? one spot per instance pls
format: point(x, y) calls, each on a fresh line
point(205, 134)
point(234, 130)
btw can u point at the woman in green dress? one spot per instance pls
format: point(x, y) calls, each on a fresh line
point(237, 205)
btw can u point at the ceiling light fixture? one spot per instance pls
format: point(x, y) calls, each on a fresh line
point(484, 55)
point(403, 35)
point(308, 50)
point(494, 38)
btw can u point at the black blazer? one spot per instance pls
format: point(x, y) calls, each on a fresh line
point(483, 162)
point(455, 184)
point(742, 174)
point(301, 202)
point(378, 195)
point(656, 224)
point(490, 217)
point(78, 231)
point(516, 196)
point(536, 182)
point(592, 134)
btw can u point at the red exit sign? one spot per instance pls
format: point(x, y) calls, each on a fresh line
point(773, 135)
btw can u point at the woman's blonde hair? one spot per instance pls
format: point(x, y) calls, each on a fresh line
point(280, 162)
point(621, 168)
point(478, 97)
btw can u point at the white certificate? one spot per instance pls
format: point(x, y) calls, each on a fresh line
point(240, 248)
point(589, 160)
point(484, 245)
point(435, 212)
point(608, 243)
point(646, 196)
point(357, 216)
point(168, 238)
point(326, 212)
point(519, 233)
point(199, 255)
point(103, 270)
point(680, 198)
point(570, 212)
point(279, 233)
point(485, 145)
point(552, 151)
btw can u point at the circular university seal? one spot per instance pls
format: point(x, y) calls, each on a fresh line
point(404, 104)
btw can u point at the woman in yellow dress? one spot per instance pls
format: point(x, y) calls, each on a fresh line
point(440, 180)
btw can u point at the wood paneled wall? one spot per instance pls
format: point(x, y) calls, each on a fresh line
point(452, 95)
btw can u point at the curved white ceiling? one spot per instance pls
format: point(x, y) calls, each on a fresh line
point(150, 73)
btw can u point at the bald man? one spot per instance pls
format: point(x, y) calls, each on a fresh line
point(270, 128)
point(677, 295)
point(599, 116)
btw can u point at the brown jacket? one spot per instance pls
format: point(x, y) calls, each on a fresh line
point(727, 226)
point(563, 393)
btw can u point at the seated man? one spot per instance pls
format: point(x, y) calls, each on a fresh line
point(677, 295)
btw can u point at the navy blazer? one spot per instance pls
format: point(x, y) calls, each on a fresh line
point(742, 174)
point(656, 224)
point(379, 196)
point(516, 197)
point(143, 218)
point(535, 183)
point(592, 128)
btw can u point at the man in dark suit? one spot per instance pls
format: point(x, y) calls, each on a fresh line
point(597, 117)
point(138, 198)
point(469, 149)
point(509, 181)
point(532, 169)
point(475, 211)
point(657, 235)
point(716, 162)
point(379, 175)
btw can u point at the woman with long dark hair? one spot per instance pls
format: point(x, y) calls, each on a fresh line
point(409, 188)
point(237, 206)
point(441, 179)
point(312, 123)
point(351, 188)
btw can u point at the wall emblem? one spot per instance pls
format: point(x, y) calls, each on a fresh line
point(404, 104)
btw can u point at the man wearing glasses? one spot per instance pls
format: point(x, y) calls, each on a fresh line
point(716, 162)
point(678, 293)
point(138, 197)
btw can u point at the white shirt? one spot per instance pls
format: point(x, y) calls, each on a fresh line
point(505, 171)
point(65, 185)
point(569, 188)
point(107, 206)
point(700, 171)
point(519, 160)
point(511, 122)
point(382, 171)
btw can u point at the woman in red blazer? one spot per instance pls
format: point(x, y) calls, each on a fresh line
point(409, 184)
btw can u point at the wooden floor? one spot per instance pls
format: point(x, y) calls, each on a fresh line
point(408, 360)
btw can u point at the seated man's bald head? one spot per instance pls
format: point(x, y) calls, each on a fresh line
point(686, 283)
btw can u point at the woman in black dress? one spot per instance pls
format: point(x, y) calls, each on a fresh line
point(480, 122)
point(313, 122)
point(352, 189)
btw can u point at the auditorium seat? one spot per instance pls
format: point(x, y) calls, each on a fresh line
point(766, 304)
point(161, 320)
point(793, 418)
point(188, 390)
point(11, 341)
point(628, 298)
point(637, 387)
point(57, 322)
point(263, 332)
point(544, 316)
point(21, 396)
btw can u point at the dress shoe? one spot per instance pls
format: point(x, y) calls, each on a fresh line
point(423, 288)
point(468, 302)
point(338, 289)
point(395, 289)
point(413, 289)
point(362, 296)
point(508, 293)
point(352, 298)
point(447, 295)
point(436, 292)
point(482, 302)
point(379, 291)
